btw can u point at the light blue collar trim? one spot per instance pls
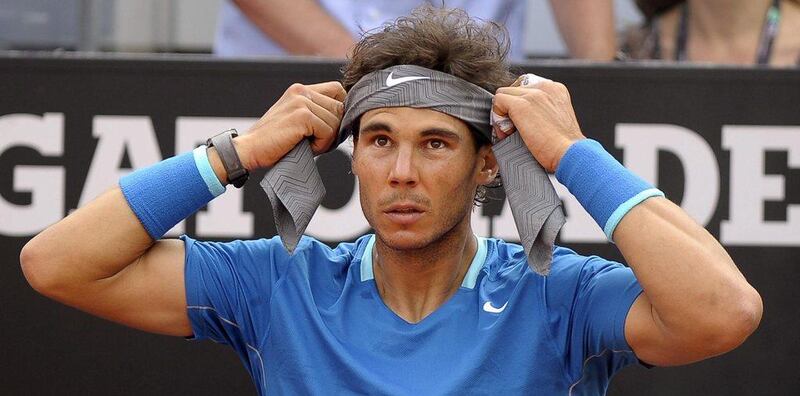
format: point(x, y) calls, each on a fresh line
point(366, 260)
point(469, 280)
point(476, 265)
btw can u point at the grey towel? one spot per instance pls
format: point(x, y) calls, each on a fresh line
point(295, 189)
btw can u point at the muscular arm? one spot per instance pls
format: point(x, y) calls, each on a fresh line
point(101, 260)
point(696, 304)
point(587, 27)
point(302, 27)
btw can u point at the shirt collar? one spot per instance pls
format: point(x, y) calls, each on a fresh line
point(469, 279)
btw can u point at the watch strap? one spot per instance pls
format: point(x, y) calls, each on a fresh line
point(223, 142)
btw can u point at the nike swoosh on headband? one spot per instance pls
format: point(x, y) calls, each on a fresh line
point(390, 81)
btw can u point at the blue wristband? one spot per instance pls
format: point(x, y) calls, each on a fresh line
point(206, 171)
point(163, 194)
point(605, 188)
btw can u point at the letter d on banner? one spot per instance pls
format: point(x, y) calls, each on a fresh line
point(45, 183)
point(641, 143)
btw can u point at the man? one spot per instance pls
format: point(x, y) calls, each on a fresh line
point(423, 306)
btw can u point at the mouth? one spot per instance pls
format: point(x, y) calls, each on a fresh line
point(404, 214)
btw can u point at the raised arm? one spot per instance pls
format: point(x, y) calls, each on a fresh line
point(102, 260)
point(696, 304)
point(301, 27)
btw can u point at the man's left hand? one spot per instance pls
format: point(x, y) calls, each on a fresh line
point(542, 113)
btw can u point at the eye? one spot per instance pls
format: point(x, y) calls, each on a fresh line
point(436, 144)
point(381, 141)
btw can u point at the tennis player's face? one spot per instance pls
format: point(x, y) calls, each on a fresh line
point(418, 170)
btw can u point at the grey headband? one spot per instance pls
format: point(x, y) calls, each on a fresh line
point(415, 86)
point(295, 188)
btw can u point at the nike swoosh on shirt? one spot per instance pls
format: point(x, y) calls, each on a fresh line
point(390, 82)
point(488, 307)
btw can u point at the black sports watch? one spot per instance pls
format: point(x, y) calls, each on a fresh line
point(237, 174)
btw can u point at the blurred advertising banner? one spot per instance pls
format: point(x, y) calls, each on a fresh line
point(724, 143)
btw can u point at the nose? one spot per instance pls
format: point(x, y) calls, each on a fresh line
point(403, 172)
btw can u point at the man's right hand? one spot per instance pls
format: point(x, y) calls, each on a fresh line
point(304, 111)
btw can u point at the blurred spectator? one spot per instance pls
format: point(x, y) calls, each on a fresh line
point(587, 27)
point(330, 27)
point(763, 32)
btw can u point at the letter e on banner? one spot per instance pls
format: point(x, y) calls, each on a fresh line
point(750, 186)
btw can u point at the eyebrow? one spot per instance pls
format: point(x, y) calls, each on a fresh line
point(375, 127)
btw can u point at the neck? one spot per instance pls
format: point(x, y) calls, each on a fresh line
point(414, 283)
point(727, 22)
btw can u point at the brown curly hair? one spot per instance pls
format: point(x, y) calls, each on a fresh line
point(442, 39)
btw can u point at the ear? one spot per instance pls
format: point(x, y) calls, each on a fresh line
point(489, 168)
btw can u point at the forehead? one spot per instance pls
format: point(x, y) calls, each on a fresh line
point(412, 119)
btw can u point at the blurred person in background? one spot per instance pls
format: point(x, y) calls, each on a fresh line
point(587, 27)
point(741, 32)
point(329, 28)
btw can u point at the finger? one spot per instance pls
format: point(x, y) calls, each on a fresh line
point(320, 145)
point(321, 134)
point(331, 119)
point(502, 125)
point(331, 89)
point(528, 80)
point(501, 107)
point(515, 91)
point(555, 90)
point(532, 80)
point(334, 106)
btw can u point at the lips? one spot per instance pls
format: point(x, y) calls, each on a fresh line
point(404, 213)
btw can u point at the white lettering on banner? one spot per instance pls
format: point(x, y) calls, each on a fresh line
point(225, 215)
point(750, 186)
point(641, 143)
point(45, 183)
point(116, 135)
point(341, 224)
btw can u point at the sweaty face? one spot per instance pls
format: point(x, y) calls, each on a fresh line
point(418, 170)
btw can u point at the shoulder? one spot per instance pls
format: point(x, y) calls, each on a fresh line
point(309, 250)
point(504, 256)
point(568, 269)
